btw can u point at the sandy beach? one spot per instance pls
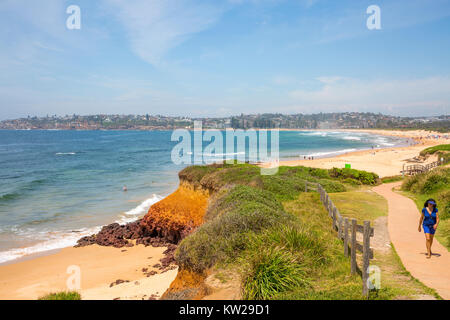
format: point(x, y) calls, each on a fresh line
point(385, 162)
point(99, 268)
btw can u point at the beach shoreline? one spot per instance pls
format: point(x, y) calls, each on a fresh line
point(32, 276)
point(385, 162)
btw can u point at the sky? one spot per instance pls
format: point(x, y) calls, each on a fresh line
point(224, 57)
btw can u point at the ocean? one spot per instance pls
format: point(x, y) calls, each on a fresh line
point(57, 186)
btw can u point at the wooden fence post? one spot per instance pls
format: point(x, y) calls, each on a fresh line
point(366, 257)
point(335, 223)
point(346, 237)
point(353, 248)
point(340, 228)
point(330, 207)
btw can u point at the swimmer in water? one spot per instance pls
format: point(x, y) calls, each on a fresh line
point(125, 189)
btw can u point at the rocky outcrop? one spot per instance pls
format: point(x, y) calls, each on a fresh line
point(114, 235)
point(176, 216)
point(167, 222)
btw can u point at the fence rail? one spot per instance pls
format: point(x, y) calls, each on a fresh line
point(347, 230)
point(419, 168)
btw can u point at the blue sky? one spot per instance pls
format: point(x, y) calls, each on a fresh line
point(218, 58)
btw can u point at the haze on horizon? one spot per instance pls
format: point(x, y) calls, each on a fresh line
point(204, 58)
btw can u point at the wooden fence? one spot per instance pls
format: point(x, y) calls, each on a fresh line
point(419, 168)
point(347, 230)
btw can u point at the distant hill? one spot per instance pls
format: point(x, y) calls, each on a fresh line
point(346, 120)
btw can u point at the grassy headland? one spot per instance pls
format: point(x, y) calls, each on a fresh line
point(279, 239)
point(442, 151)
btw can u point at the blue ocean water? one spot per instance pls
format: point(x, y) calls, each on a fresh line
point(57, 186)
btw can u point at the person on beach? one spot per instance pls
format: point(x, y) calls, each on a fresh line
point(429, 219)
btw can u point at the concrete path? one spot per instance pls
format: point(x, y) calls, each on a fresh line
point(403, 221)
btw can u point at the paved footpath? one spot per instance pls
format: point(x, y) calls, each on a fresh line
point(403, 221)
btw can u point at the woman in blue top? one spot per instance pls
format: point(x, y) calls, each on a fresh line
point(429, 219)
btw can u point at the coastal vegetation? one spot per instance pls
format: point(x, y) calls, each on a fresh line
point(360, 204)
point(442, 151)
point(433, 184)
point(390, 179)
point(65, 295)
point(278, 238)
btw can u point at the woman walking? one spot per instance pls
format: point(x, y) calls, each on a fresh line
point(429, 219)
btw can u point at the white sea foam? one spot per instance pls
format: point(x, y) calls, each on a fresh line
point(353, 138)
point(144, 206)
point(222, 154)
point(56, 240)
point(63, 239)
point(327, 153)
point(314, 133)
point(65, 153)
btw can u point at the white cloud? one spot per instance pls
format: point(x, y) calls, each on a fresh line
point(392, 96)
point(329, 80)
point(154, 27)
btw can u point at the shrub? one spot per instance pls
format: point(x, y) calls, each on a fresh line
point(332, 186)
point(70, 295)
point(226, 234)
point(443, 200)
point(236, 196)
point(428, 182)
point(364, 177)
point(284, 187)
point(297, 239)
point(270, 271)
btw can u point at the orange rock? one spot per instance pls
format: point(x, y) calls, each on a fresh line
point(188, 285)
point(177, 215)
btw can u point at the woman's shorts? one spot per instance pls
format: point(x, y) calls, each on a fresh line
point(428, 229)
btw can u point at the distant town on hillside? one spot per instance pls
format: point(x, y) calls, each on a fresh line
point(345, 120)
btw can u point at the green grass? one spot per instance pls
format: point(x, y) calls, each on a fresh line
point(432, 150)
point(362, 204)
point(392, 179)
point(70, 295)
point(278, 238)
point(269, 271)
point(434, 184)
point(332, 280)
point(285, 185)
point(442, 151)
point(235, 216)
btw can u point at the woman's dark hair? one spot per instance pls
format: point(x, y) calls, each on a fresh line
point(426, 203)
